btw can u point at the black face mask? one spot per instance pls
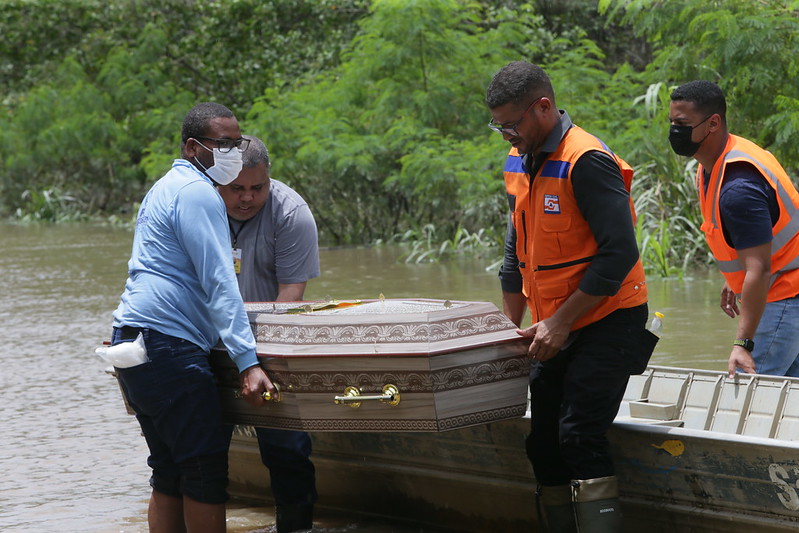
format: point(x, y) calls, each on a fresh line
point(680, 139)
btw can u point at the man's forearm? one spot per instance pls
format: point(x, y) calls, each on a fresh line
point(514, 304)
point(290, 292)
point(757, 262)
point(575, 306)
point(753, 302)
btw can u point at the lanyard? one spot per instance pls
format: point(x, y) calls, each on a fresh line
point(235, 233)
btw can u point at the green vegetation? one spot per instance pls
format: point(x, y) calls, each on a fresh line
point(373, 110)
point(94, 92)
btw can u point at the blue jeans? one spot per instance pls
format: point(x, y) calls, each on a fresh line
point(287, 456)
point(777, 339)
point(176, 402)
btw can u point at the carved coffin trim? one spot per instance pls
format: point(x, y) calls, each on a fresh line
point(459, 377)
point(412, 332)
point(483, 417)
point(378, 425)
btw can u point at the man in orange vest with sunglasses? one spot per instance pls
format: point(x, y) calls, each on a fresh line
point(750, 211)
point(572, 258)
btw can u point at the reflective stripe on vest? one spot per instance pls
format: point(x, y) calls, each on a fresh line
point(785, 232)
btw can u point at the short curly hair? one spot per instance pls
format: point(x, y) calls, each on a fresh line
point(195, 124)
point(518, 82)
point(707, 97)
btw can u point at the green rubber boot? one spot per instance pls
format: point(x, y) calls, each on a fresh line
point(596, 505)
point(555, 511)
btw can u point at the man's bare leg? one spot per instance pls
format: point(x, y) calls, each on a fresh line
point(165, 513)
point(203, 517)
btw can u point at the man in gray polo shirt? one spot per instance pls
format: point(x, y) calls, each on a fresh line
point(275, 252)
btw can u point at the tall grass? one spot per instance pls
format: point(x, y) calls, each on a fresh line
point(668, 227)
point(426, 246)
point(669, 222)
point(49, 205)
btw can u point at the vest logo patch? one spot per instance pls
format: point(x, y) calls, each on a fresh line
point(551, 203)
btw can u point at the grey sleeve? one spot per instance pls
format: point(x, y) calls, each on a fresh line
point(297, 247)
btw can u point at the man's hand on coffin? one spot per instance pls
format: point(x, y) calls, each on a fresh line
point(254, 383)
point(548, 336)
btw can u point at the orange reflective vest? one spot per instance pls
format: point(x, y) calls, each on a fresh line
point(785, 242)
point(554, 243)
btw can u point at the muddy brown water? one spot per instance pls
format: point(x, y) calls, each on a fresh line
point(74, 461)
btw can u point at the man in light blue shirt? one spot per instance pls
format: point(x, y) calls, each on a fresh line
point(182, 297)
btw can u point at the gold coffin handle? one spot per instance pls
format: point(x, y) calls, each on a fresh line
point(353, 397)
point(266, 395)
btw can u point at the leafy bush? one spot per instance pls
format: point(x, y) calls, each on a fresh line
point(395, 137)
point(95, 92)
point(373, 110)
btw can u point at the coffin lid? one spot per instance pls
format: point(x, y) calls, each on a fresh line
point(384, 327)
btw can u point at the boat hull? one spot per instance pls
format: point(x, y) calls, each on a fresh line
point(473, 479)
point(734, 468)
point(709, 479)
point(479, 480)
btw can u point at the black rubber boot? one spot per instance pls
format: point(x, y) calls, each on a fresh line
point(596, 505)
point(294, 518)
point(555, 511)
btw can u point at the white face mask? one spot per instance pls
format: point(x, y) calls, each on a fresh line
point(226, 165)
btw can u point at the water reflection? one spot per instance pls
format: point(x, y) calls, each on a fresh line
point(74, 461)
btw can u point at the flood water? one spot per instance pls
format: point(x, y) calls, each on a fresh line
point(72, 460)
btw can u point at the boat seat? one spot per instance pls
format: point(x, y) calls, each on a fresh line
point(707, 400)
point(653, 410)
point(661, 398)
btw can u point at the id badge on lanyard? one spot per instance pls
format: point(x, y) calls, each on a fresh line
point(237, 252)
point(237, 260)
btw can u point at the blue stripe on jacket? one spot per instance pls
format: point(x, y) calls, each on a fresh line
point(556, 169)
point(514, 164)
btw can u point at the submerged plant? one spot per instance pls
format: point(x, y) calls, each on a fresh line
point(425, 246)
point(49, 205)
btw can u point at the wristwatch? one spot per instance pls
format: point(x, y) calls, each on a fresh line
point(748, 344)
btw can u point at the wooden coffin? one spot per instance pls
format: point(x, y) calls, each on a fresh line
point(382, 365)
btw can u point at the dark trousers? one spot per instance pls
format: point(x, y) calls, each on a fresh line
point(287, 456)
point(576, 395)
point(177, 405)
